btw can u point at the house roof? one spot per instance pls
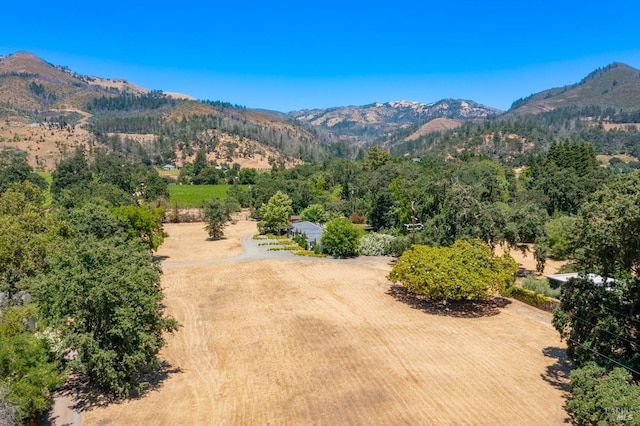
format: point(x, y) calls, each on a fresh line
point(596, 279)
point(311, 230)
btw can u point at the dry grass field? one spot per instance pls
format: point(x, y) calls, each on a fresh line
point(306, 341)
point(45, 145)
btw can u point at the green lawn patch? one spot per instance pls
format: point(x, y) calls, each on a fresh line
point(194, 195)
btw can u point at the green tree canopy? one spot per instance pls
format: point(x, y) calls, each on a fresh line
point(105, 295)
point(467, 270)
point(216, 217)
point(109, 168)
point(341, 238)
point(15, 169)
point(376, 158)
point(71, 172)
point(144, 222)
point(604, 396)
point(606, 229)
point(275, 214)
point(26, 233)
point(95, 219)
point(200, 162)
point(27, 371)
point(600, 321)
point(314, 213)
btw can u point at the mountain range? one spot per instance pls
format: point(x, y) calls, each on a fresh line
point(370, 122)
point(48, 110)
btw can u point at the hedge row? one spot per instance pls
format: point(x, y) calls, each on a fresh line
point(532, 298)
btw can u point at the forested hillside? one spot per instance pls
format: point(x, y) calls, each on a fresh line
point(180, 129)
point(47, 111)
point(614, 86)
point(511, 139)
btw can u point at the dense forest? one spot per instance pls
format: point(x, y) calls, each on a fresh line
point(512, 138)
point(188, 131)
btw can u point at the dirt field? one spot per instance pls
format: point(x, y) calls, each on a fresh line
point(296, 341)
point(528, 263)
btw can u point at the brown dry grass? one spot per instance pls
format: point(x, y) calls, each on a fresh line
point(45, 146)
point(333, 342)
point(619, 126)
point(435, 125)
point(528, 263)
point(605, 159)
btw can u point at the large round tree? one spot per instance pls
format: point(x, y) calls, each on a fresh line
point(105, 297)
point(467, 270)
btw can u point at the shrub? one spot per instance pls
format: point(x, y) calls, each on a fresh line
point(308, 253)
point(232, 205)
point(540, 286)
point(340, 238)
point(467, 270)
point(530, 297)
point(399, 245)
point(318, 250)
point(374, 244)
point(301, 240)
point(356, 218)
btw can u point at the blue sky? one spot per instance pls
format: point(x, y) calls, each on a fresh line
point(288, 55)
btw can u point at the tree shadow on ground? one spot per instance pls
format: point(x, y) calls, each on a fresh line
point(90, 397)
point(524, 272)
point(223, 238)
point(160, 258)
point(558, 373)
point(450, 308)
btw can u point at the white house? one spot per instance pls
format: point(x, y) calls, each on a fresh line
point(594, 278)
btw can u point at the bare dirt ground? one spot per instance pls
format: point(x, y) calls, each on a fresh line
point(528, 263)
point(296, 341)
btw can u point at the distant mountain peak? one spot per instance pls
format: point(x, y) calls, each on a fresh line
point(369, 122)
point(616, 86)
point(405, 104)
point(21, 62)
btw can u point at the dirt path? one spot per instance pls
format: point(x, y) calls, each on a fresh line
point(293, 341)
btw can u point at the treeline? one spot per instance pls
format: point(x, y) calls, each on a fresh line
point(130, 102)
point(79, 290)
point(512, 139)
point(469, 197)
point(600, 321)
point(191, 133)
